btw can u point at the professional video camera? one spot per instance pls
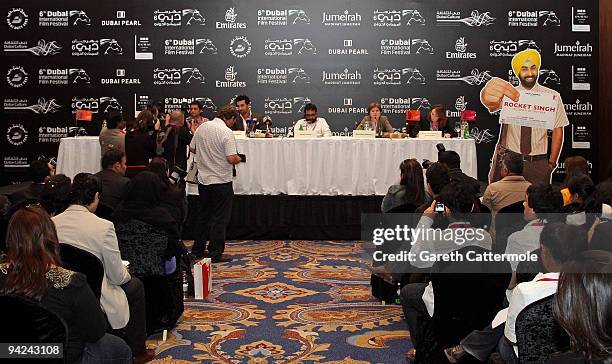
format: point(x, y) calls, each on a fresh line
point(426, 162)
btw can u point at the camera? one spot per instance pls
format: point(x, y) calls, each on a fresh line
point(177, 175)
point(440, 147)
point(439, 208)
point(242, 157)
point(426, 163)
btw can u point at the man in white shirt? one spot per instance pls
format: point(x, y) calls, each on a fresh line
point(215, 151)
point(312, 122)
point(123, 297)
point(559, 243)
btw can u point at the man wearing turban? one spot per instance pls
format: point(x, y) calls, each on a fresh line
point(531, 143)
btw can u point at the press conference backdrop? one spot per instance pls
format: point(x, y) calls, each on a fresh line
point(340, 55)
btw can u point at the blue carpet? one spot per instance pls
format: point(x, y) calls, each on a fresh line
point(289, 302)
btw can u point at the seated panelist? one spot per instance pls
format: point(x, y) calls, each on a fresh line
point(375, 120)
point(312, 122)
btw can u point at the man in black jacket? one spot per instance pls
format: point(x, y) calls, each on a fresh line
point(453, 162)
point(112, 177)
point(243, 104)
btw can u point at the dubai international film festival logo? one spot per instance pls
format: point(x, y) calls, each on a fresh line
point(95, 47)
point(104, 104)
point(16, 134)
point(476, 18)
point(405, 47)
point(63, 18)
point(395, 76)
point(177, 18)
point(397, 18)
point(533, 18)
point(285, 105)
point(508, 48)
point(282, 76)
point(240, 47)
point(282, 17)
point(17, 18)
point(189, 47)
point(289, 47)
point(16, 76)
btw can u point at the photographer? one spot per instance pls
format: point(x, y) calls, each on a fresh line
point(215, 151)
point(173, 140)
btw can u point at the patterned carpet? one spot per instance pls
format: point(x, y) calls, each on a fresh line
point(289, 302)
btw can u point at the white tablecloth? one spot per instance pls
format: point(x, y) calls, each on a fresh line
point(325, 166)
point(80, 154)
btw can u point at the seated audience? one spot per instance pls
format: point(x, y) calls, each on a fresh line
point(313, 122)
point(140, 144)
point(573, 166)
point(436, 120)
point(39, 171)
point(112, 135)
point(374, 120)
point(453, 162)
point(511, 188)
point(54, 198)
point(583, 307)
point(559, 244)
point(112, 177)
point(33, 270)
point(436, 177)
point(172, 196)
point(122, 298)
point(581, 207)
point(410, 190)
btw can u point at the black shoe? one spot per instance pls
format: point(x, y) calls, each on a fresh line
point(222, 259)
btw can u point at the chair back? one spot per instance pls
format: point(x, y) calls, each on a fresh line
point(538, 334)
point(82, 261)
point(26, 321)
point(143, 245)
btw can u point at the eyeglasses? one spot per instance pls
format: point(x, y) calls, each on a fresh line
point(33, 205)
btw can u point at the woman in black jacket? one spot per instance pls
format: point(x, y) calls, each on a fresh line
point(140, 143)
point(33, 270)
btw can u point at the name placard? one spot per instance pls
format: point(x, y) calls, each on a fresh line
point(430, 134)
point(239, 134)
point(364, 134)
point(305, 134)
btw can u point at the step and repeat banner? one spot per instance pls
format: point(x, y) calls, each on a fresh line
point(117, 55)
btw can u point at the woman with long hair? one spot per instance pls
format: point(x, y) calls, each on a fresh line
point(583, 307)
point(33, 270)
point(410, 190)
point(140, 143)
point(436, 120)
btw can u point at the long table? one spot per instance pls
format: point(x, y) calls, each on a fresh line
point(324, 166)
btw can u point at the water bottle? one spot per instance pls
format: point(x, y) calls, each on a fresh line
point(366, 126)
point(465, 129)
point(398, 300)
point(185, 286)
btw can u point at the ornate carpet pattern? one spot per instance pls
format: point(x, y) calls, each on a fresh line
point(289, 302)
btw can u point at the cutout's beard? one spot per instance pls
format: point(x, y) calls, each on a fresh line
point(528, 84)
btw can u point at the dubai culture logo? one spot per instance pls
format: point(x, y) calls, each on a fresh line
point(476, 18)
point(43, 48)
point(42, 106)
point(475, 78)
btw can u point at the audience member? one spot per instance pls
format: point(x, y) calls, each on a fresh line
point(39, 171)
point(410, 190)
point(148, 238)
point(582, 201)
point(112, 135)
point(453, 162)
point(174, 140)
point(574, 166)
point(583, 307)
point(511, 188)
point(436, 177)
point(112, 177)
point(140, 143)
point(559, 243)
point(122, 298)
point(54, 198)
point(215, 150)
point(173, 196)
point(33, 270)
